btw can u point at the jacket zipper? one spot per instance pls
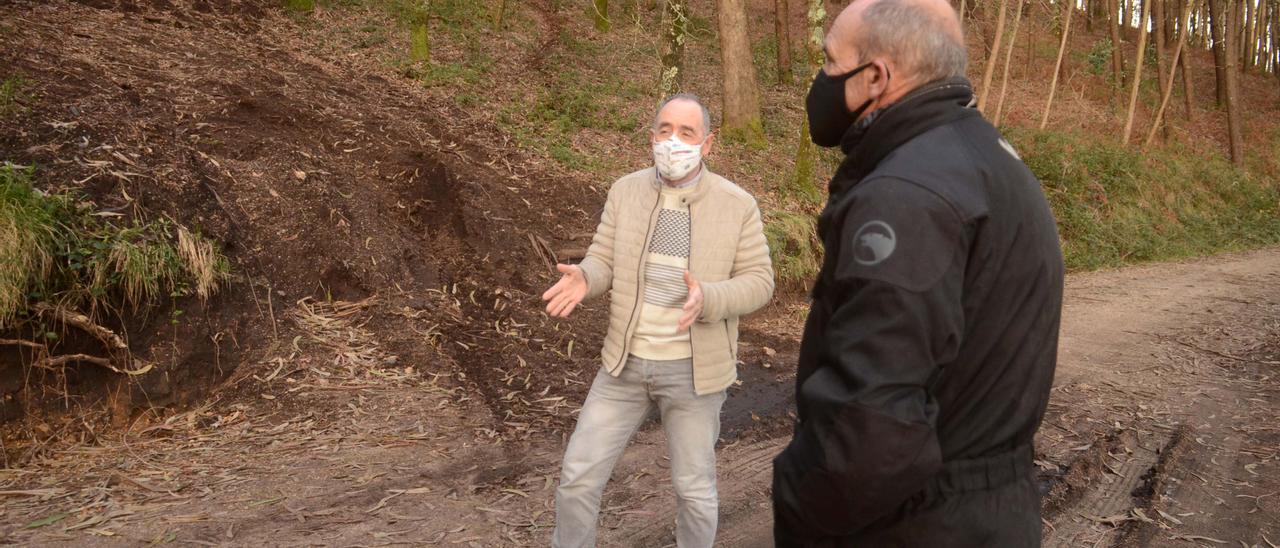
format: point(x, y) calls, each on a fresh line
point(644, 251)
point(690, 269)
point(733, 357)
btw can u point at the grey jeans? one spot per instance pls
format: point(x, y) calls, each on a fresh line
point(614, 409)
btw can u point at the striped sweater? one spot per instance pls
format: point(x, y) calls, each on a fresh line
point(665, 292)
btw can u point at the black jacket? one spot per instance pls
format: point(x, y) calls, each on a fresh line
point(931, 342)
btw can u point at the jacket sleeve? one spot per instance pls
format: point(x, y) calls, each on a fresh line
point(893, 316)
point(750, 284)
point(597, 266)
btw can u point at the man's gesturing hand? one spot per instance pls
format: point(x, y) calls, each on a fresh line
point(567, 293)
point(693, 306)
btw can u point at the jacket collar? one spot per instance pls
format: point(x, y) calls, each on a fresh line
point(868, 142)
point(705, 181)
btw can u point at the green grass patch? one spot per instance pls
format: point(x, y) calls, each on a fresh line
point(573, 101)
point(13, 91)
point(300, 5)
point(1118, 206)
point(57, 250)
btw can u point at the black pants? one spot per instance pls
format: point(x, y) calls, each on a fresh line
point(979, 503)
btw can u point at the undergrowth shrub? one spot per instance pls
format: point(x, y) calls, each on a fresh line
point(794, 246)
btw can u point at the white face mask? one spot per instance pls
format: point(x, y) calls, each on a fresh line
point(675, 158)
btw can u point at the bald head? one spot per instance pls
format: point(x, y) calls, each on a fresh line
point(921, 39)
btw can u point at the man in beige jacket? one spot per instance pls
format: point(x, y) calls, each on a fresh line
point(682, 253)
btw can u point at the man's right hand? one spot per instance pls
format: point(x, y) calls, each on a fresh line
point(567, 293)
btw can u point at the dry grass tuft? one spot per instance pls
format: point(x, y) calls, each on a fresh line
point(207, 267)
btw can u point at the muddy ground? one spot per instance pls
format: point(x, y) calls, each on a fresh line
point(380, 373)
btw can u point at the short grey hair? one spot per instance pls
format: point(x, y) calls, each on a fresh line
point(916, 38)
point(706, 113)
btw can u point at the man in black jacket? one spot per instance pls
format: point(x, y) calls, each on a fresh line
point(929, 350)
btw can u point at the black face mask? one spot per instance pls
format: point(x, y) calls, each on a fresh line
point(829, 117)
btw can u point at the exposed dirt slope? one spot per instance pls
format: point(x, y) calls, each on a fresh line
point(323, 180)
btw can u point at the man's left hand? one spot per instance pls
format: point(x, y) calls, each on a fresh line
point(693, 306)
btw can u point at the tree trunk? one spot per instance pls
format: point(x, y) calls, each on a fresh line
point(600, 14)
point(1274, 44)
point(1246, 35)
point(419, 37)
point(1173, 66)
point(782, 30)
point(1234, 121)
point(1057, 67)
point(1267, 36)
point(1162, 53)
point(1264, 38)
point(1117, 43)
point(741, 90)
point(1217, 21)
point(1185, 61)
point(992, 56)
point(803, 181)
point(1137, 72)
point(1004, 79)
point(500, 10)
point(1031, 37)
point(1269, 42)
point(1127, 19)
point(1260, 30)
point(671, 80)
point(1206, 25)
point(1197, 28)
point(1273, 41)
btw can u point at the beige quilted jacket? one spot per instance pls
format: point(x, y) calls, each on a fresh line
point(728, 256)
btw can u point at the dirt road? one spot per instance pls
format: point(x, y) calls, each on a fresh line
point(1163, 431)
point(1163, 428)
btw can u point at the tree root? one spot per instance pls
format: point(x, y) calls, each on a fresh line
point(76, 319)
point(57, 361)
point(20, 342)
point(114, 343)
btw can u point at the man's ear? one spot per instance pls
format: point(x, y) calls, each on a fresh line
point(708, 144)
point(880, 79)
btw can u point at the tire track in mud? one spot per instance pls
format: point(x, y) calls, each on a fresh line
point(1108, 504)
